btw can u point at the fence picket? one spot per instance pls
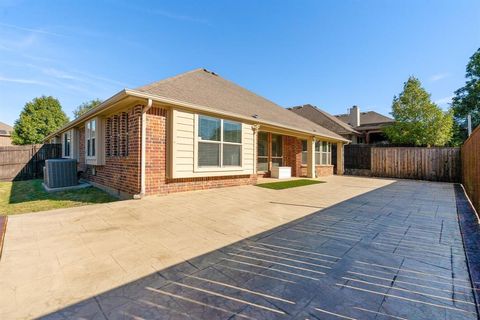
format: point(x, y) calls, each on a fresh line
point(435, 164)
point(26, 162)
point(471, 167)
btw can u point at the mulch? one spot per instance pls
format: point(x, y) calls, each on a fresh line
point(3, 230)
point(470, 229)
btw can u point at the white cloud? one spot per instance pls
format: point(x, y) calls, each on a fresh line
point(22, 81)
point(439, 76)
point(179, 16)
point(37, 30)
point(444, 101)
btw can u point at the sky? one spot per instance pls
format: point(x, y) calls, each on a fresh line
point(332, 54)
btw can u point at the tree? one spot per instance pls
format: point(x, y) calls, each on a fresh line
point(39, 118)
point(86, 106)
point(467, 99)
point(418, 120)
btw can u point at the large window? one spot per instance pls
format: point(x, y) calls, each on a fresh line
point(67, 144)
point(90, 135)
point(219, 142)
point(323, 152)
point(262, 150)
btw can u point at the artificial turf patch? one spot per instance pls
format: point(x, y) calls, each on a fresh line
point(288, 184)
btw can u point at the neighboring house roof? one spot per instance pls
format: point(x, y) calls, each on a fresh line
point(203, 91)
point(205, 88)
point(367, 118)
point(323, 118)
point(5, 129)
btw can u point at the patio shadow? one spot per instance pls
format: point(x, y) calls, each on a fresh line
point(391, 252)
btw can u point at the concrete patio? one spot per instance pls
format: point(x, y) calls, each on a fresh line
point(365, 249)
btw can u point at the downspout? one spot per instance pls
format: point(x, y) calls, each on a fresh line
point(143, 151)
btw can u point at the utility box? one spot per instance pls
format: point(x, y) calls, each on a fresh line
point(281, 172)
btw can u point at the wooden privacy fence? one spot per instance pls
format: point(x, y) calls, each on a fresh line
point(26, 162)
point(357, 156)
point(471, 167)
point(434, 164)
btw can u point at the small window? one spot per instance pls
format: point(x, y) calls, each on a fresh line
point(67, 142)
point(90, 135)
point(87, 136)
point(93, 132)
point(304, 152)
point(219, 142)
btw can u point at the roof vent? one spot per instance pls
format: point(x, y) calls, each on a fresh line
point(211, 72)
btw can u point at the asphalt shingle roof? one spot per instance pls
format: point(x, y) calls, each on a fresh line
point(204, 88)
point(323, 118)
point(369, 117)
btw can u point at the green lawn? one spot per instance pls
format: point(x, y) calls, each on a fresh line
point(288, 184)
point(29, 196)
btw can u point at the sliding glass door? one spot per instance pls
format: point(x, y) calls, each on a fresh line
point(269, 151)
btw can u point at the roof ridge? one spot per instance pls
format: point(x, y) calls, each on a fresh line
point(177, 76)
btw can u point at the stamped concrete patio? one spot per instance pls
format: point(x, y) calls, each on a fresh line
point(352, 248)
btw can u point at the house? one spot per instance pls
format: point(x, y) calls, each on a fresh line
point(196, 130)
point(5, 134)
point(326, 120)
point(369, 124)
point(359, 127)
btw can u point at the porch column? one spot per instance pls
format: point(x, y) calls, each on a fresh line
point(311, 157)
point(255, 128)
point(340, 168)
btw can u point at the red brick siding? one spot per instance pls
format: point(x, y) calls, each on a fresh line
point(292, 154)
point(321, 170)
point(120, 173)
point(156, 151)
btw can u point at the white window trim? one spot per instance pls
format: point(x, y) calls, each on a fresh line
point(197, 139)
point(70, 134)
point(320, 153)
point(89, 137)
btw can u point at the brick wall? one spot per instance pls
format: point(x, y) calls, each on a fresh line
point(293, 154)
point(121, 172)
point(321, 170)
point(156, 165)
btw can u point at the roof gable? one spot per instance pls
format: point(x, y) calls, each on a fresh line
point(323, 118)
point(5, 129)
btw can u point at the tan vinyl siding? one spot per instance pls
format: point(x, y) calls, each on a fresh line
point(184, 149)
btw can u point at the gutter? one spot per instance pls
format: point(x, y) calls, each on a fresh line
point(107, 104)
point(143, 152)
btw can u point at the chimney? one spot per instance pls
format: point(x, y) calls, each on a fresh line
point(354, 116)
